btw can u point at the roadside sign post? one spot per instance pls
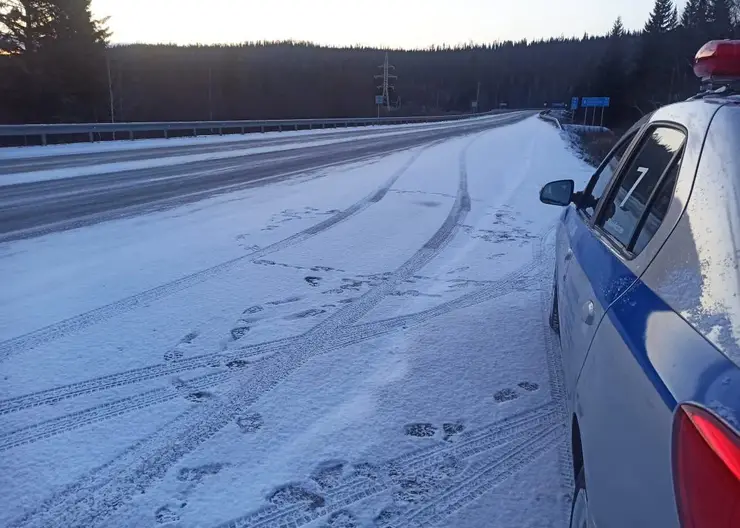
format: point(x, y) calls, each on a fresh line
point(595, 102)
point(379, 102)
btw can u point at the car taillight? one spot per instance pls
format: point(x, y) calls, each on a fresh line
point(706, 470)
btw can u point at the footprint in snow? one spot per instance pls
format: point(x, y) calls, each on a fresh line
point(529, 386)
point(313, 312)
point(167, 514)
point(288, 300)
point(295, 493)
point(313, 281)
point(420, 430)
point(176, 352)
point(196, 474)
point(505, 395)
point(239, 332)
point(250, 423)
point(237, 363)
point(199, 396)
point(452, 429)
point(328, 474)
point(387, 516)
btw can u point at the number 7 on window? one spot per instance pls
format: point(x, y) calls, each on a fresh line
point(643, 171)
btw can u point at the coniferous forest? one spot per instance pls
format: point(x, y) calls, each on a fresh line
point(56, 63)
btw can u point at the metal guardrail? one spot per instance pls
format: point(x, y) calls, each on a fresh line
point(166, 128)
point(545, 116)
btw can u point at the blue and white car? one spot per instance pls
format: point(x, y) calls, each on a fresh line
point(647, 305)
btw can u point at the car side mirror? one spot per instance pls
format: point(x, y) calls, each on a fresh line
point(558, 192)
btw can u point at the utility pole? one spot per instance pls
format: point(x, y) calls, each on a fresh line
point(386, 86)
point(210, 93)
point(477, 99)
point(110, 88)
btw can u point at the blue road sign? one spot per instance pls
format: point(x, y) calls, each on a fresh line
point(574, 103)
point(379, 100)
point(594, 102)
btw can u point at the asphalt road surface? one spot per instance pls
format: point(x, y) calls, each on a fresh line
point(40, 207)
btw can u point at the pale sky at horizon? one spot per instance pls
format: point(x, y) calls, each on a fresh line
point(367, 22)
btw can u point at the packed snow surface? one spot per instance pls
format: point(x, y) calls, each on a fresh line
point(365, 346)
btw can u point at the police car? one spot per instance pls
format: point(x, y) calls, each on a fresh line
point(647, 305)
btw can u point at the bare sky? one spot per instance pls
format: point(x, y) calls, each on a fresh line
point(393, 23)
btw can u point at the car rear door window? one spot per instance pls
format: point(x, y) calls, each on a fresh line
point(600, 181)
point(656, 212)
point(657, 160)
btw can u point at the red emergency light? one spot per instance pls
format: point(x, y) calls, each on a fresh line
point(718, 59)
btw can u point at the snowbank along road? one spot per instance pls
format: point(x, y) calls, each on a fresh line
point(337, 333)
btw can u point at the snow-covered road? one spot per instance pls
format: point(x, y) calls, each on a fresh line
point(363, 345)
point(43, 193)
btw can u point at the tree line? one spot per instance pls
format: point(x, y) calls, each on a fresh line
point(56, 65)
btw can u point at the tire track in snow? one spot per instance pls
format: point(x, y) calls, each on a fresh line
point(344, 338)
point(349, 336)
point(132, 474)
point(73, 390)
point(557, 391)
point(79, 322)
point(485, 475)
point(514, 429)
point(107, 411)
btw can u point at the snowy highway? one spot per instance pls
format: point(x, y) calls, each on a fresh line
point(332, 330)
point(80, 185)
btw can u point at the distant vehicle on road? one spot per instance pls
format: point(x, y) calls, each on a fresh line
point(647, 305)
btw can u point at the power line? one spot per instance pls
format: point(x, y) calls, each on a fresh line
point(386, 86)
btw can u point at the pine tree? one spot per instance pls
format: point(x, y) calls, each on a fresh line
point(617, 29)
point(661, 18)
point(24, 24)
point(56, 70)
point(673, 20)
point(720, 18)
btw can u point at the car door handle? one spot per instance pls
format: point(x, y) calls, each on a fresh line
point(568, 254)
point(588, 312)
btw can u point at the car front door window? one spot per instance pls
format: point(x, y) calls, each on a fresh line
point(600, 181)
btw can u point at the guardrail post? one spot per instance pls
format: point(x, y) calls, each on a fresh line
point(262, 129)
point(310, 126)
point(280, 128)
point(166, 134)
point(296, 126)
point(242, 130)
point(43, 139)
point(90, 135)
point(195, 132)
point(131, 135)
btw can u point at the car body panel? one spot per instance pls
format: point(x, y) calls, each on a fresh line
point(658, 360)
point(589, 280)
point(642, 356)
point(705, 254)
